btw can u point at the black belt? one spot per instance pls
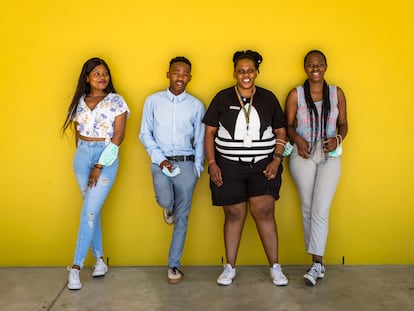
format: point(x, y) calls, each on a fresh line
point(182, 158)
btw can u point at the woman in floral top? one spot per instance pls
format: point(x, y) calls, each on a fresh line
point(99, 116)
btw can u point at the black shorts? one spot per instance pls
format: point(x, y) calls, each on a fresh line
point(242, 181)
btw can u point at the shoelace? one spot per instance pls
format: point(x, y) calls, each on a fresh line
point(73, 276)
point(314, 270)
point(278, 273)
point(175, 271)
point(227, 270)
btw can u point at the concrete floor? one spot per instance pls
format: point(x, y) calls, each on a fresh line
point(145, 288)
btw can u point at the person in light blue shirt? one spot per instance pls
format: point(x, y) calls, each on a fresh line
point(172, 133)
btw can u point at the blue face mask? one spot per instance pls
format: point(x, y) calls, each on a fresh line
point(175, 171)
point(109, 155)
point(337, 152)
point(288, 149)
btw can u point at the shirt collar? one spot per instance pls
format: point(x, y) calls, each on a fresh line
point(176, 98)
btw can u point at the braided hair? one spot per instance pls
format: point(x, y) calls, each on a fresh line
point(248, 54)
point(313, 112)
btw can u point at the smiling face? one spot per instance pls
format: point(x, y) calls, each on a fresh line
point(98, 78)
point(179, 75)
point(245, 74)
point(315, 67)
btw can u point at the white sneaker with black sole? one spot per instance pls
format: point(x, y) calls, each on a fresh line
point(174, 275)
point(316, 271)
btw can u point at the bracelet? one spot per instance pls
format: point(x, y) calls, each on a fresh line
point(98, 167)
point(211, 161)
point(278, 155)
point(340, 138)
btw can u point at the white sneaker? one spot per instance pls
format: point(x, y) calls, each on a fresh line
point(316, 271)
point(100, 268)
point(174, 275)
point(73, 279)
point(277, 275)
point(227, 276)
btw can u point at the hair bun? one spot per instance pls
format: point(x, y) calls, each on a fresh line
point(255, 55)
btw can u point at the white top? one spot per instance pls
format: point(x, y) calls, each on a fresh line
point(99, 122)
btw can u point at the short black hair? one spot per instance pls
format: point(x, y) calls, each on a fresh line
point(180, 59)
point(317, 52)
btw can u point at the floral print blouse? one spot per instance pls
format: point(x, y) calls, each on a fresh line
point(99, 122)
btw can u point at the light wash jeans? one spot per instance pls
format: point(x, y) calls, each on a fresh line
point(175, 194)
point(316, 179)
point(90, 232)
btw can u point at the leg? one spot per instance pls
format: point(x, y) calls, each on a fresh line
point(90, 230)
point(87, 153)
point(262, 210)
point(234, 218)
point(326, 182)
point(303, 172)
point(183, 185)
point(163, 188)
point(106, 180)
point(96, 244)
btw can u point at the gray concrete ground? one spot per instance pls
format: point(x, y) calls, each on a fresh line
point(353, 288)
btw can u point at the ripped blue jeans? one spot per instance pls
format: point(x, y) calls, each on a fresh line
point(90, 232)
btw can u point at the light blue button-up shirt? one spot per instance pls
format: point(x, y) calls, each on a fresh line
point(172, 126)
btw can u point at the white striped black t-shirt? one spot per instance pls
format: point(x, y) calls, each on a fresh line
point(226, 114)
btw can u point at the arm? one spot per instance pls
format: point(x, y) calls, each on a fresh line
point(119, 129)
point(147, 138)
point(290, 111)
point(341, 123)
point(272, 168)
point(76, 133)
point(117, 138)
point(213, 168)
point(199, 130)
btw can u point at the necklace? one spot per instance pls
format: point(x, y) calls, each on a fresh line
point(247, 140)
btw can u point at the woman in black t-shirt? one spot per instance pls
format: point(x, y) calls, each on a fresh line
point(244, 141)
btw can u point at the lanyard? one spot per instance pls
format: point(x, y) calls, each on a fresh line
point(246, 111)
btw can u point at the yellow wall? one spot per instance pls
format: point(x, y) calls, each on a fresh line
point(44, 43)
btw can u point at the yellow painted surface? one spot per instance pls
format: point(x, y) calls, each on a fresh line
point(44, 44)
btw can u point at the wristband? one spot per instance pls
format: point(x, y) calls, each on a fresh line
point(278, 155)
point(98, 167)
